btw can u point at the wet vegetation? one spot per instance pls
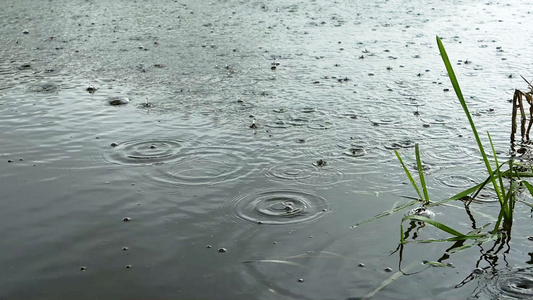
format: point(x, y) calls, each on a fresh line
point(505, 182)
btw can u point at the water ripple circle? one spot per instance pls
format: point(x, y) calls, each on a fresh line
point(208, 165)
point(306, 173)
point(292, 171)
point(509, 284)
point(454, 179)
point(144, 152)
point(279, 207)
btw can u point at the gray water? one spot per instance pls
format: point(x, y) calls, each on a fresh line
point(183, 199)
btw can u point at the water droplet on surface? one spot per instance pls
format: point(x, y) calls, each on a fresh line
point(91, 89)
point(278, 207)
point(144, 152)
point(507, 284)
point(118, 101)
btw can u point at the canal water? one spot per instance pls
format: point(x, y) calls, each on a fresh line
point(257, 135)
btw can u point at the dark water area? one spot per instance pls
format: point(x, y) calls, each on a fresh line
point(256, 135)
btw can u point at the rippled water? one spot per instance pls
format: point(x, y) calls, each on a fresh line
point(507, 284)
point(270, 131)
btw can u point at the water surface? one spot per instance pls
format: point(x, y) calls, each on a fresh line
point(331, 89)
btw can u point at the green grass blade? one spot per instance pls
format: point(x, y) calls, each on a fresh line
point(389, 280)
point(459, 94)
point(421, 174)
point(529, 187)
point(409, 175)
point(386, 213)
point(434, 223)
point(479, 241)
point(461, 195)
point(497, 165)
point(474, 235)
point(499, 221)
point(452, 239)
point(438, 264)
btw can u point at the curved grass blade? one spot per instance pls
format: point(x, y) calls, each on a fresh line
point(479, 241)
point(461, 195)
point(409, 175)
point(434, 223)
point(497, 164)
point(459, 94)
point(457, 235)
point(438, 264)
point(529, 187)
point(389, 280)
point(421, 174)
point(386, 213)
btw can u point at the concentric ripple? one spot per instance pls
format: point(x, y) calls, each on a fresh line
point(306, 173)
point(44, 88)
point(143, 152)
point(207, 165)
point(279, 207)
point(400, 144)
point(292, 171)
point(508, 284)
point(454, 179)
